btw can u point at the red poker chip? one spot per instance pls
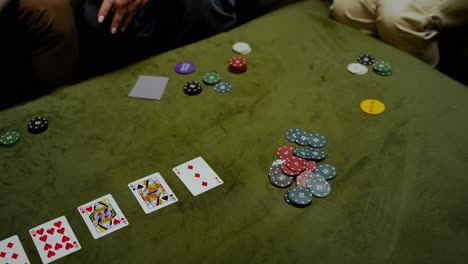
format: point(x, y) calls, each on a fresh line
point(301, 180)
point(311, 165)
point(285, 152)
point(296, 163)
point(288, 171)
point(237, 65)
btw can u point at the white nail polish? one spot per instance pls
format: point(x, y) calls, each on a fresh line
point(101, 19)
point(123, 29)
point(114, 30)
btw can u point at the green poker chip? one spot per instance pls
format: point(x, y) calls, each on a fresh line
point(9, 138)
point(302, 138)
point(222, 87)
point(300, 196)
point(212, 78)
point(317, 154)
point(382, 68)
point(302, 153)
point(318, 186)
point(326, 170)
point(291, 134)
point(317, 140)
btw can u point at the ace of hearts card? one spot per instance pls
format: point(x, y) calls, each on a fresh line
point(54, 239)
point(103, 216)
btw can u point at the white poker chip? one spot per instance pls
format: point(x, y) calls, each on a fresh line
point(242, 48)
point(357, 68)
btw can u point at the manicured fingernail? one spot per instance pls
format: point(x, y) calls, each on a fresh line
point(101, 19)
point(123, 29)
point(114, 30)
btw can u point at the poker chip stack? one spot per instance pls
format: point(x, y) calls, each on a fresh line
point(299, 165)
point(9, 138)
point(38, 125)
point(382, 68)
point(192, 88)
point(212, 78)
point(237, 65)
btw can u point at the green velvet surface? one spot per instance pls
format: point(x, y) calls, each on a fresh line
point(400, 195)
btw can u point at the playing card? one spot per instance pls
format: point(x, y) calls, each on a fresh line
point(198, 176)
point(54, 239)
point(11, 251)
point(103, 216)
point(152, 192)
point(149, 87)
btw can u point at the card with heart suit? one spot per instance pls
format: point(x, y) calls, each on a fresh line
point(11, 251)
point(152, 192)
point(198, 176)
point(54, 239)
point(103, 216)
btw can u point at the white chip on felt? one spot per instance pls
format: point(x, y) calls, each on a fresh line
point(357, 68)
point(242, 48)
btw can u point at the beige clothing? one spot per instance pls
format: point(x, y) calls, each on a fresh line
point(411, 25)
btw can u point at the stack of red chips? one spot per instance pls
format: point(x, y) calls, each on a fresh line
point(237, 65)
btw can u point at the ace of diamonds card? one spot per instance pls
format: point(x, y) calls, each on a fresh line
point(54, 239)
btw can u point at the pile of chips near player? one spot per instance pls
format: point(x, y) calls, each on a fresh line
point(38, 125)
point(192, 88)
point(242, 48)
point(382, 68)
point(212, 78)
point(222, 87)
point(9, 138)
point(237, 65)
point(299, 163)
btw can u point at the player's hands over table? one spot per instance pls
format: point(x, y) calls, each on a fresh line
point(124, 11)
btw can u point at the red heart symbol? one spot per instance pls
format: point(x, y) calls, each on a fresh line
point(68, 246)
point(89, 209)
point(58, 224)
point(50, 254)
point(40, 231)
point(51, 231)
point(43, 238)
point(65, 239)
point(116, 221)
point(47, 246)
point(61, 230)
point(58, 246)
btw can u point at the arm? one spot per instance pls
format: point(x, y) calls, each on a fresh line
point(125, 10)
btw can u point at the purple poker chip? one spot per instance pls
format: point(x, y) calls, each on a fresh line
point(185, 67)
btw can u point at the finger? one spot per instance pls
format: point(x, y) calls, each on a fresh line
point(134, 5)
point(104, 10)
point(128, 19)
point(117, 20)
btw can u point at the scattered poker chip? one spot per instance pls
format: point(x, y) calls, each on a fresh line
point(286, 197)
point(185, 67)
point(281, 180)
point(222, 87)
point(9, 138)
point(357, 68)
point(302, 138)
point(372, 106)
point(237, 65)
point(302, 153)
point(319, 188)
point(212, 78)
point(301, 180)
point(192, 88)
point(326, 170)
point(38, 125)
point(311, 165)
point(241, 48)
point(316, 140)
point(300, 196)
point(366, 59)
point(382, 68)
point(296, 163)
point(285, 152)
point(314, 177)
point(277, 162)
point(275, 170)
point(291, 134)
point(286, 170)
point(317, 154)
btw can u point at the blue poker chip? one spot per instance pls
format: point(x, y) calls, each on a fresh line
point(316, 140)
point(326, 170)
point(319, 187)
point(291, 134)
point(317, 154)
point(302, 153)
point(302, 138)
point(222, 87)
point(300, 196)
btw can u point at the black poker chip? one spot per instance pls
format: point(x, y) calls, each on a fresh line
point(366, 59)
point(192, 88)
point(38, 125)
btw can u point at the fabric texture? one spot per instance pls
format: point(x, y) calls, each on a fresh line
point(411, 25)
point(400, 194)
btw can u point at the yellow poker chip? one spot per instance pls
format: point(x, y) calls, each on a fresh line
point(372, 106)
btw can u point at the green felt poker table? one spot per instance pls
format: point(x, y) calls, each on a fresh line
point(400, 194)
